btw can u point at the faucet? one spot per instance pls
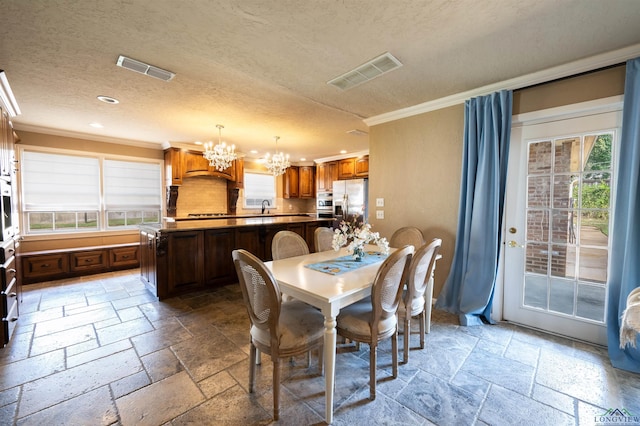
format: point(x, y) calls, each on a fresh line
point(264, 207)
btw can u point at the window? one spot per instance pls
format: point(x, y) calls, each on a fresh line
point(67, 193)
point(257, 188)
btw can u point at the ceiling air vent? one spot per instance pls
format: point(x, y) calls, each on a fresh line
point(142, 68)
point(367, 71)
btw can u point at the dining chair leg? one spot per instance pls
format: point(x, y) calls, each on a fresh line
point(373, 351)
point(407, 338)
point(252, 366)
point(258, 358)
point(276, 389)
point(394, 353)
point(422, 320)
point(321, 360)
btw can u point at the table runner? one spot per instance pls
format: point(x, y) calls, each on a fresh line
point(344, 264)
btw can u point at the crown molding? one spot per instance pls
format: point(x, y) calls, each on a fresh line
point(86, 136)
point(341, 157)
point(572, 68)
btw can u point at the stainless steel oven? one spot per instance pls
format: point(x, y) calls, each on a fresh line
point(324, 204)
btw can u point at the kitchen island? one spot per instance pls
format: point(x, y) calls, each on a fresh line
point(184, 256)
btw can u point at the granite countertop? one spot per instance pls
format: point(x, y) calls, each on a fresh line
point(225, 222)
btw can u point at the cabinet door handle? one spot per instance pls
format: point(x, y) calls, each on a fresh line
point(11, 271)
point(125, 256)
point(45, 265)
point(14, 319)
point(11, 251)
point(12, 294)
point(87, 260)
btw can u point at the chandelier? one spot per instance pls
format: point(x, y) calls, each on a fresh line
point(278, 162)
point(220, 156)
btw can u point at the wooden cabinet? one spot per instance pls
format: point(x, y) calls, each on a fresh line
point(194, 164)
point(173, 166)
point(326, 174)
point(347, 168)
point(148, 260)
point(177, 262)
point(352, 168)
point(307, 181)
point(57, 264)
point(218, 265)
point(7, 142)
point(299, 182)
point(291, 183)
point(362, 167)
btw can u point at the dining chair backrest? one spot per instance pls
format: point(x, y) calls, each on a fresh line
point(387, 289)
point(408, 235)
point(421, 270)
point(288, 244)
point(323, 238)
point(260, 292)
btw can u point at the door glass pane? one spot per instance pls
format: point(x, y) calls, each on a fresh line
point(590, 303)
point(539, 158)
point(564, 225)
point(538, 225)
point(537, 258)
point(563, 263)
point(535, 291)
point(538, 191)
point(561, 293)
point(593, 265)
point(567, 155)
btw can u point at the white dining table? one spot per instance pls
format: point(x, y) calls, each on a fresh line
point(329, 293)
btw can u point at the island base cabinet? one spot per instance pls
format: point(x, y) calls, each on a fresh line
point(218, 262)
point(178, 262)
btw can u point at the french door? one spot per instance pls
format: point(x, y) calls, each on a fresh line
point(557, 223)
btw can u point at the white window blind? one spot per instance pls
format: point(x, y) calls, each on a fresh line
point(259, 187)
point(129, 184)
point(54, 182)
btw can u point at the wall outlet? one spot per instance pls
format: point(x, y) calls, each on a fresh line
point(379, 214)
point(379, 202)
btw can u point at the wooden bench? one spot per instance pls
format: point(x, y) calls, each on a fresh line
point(65, 263)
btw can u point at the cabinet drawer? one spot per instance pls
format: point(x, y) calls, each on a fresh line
point(84, 260)
point(49, 264)
point(7, 273)
point(10, 321)
point(124, 256)
point(7, 250)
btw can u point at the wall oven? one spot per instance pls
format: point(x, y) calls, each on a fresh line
point(324, 204)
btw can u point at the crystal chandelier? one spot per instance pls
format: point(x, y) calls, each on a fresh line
point(220, 156)
point(278, 162)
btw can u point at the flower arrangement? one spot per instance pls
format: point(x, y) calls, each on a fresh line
point(355, 234)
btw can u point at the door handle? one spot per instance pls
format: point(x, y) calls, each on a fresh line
point(514, 244)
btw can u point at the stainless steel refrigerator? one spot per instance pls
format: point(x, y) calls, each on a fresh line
point(350, 198)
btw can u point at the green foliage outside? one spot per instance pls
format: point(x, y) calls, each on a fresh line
point(597, 195)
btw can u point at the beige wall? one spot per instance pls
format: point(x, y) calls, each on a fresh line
point(415, 163)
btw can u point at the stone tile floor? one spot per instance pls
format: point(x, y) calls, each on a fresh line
point(100, 350)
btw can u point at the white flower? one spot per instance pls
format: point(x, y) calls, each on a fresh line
point(355, 235)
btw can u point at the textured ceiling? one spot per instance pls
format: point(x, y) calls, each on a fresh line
point(260, 67)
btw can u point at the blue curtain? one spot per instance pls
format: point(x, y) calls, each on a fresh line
point(625, 237)
point(468, 290)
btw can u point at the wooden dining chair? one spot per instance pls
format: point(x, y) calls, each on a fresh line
point(374, 318)
point(417, 298)
point(323, 238)
point(408, 235)
point(288, 244)
point(279, 329)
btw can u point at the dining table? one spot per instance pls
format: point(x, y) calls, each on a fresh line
point(328, 280)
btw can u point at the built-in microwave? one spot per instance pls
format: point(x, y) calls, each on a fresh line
point(6, 211)
point(324, 204)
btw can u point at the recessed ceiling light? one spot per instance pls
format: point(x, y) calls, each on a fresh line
point(108, 100)
point(344, 151)
point(198, 143)
point(254, 151)
point(96, 125)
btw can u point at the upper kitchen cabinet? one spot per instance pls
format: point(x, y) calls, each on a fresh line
point(7, 155)
point(326, 174)
point(291, 183)
point(299, 182)
point(182, 164)
point(352, 168)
